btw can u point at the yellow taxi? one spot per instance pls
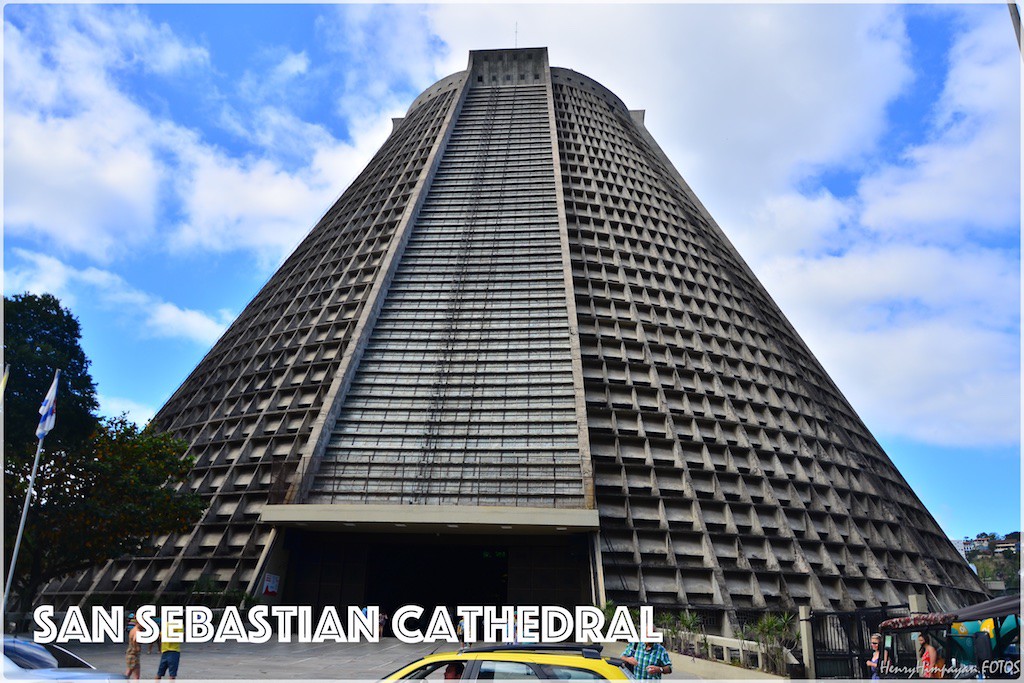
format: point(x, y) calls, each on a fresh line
point(516, 662)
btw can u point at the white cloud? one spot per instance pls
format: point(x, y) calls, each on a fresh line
point(28, 81)
point(923, 380)
point(389, 54)
point(293, 65)
point(923, 341)
point(149, 315)
point(256, 204)
point(125, 37)
point(285, 139)
point(87, 184)
point(230, 202)
point(265, 204)
point(57, 56)
point(967, 176)
point(113, 406)
point(167, 320)
point(809, 224)
point(82, 164)
point(276, 77)
point(120, 169)
point(884, 285)
point(913, 311)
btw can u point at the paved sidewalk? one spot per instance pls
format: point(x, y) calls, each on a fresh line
point(281, 661)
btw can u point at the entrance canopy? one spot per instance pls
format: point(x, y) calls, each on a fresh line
point(999, 607)
point(449, 519)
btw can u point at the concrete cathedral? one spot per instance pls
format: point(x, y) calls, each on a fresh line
point(518, 362)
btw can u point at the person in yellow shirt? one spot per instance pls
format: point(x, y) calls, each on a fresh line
point(170, 652)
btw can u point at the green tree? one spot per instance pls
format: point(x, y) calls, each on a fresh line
point(1005, 567)
point(776, 634)
point(691, 627)
point(666, 621)
point(113, 495)
point(40, 336)
point(104, 487)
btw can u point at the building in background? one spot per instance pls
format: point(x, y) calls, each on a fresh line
point(972, 544)
point(1006, 546)
point(518, 362)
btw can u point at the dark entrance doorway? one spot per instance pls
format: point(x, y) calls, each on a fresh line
point(435, 574)
point(391, 570)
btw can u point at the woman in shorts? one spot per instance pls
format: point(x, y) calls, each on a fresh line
point(132, 655)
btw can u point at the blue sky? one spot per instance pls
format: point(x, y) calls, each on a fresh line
point(160, 161)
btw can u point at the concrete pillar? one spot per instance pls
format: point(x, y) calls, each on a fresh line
point(807, 640)
point(918, 605)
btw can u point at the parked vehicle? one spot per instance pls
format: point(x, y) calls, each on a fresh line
point(28, 660)
point(569, 662)
point(979, 641)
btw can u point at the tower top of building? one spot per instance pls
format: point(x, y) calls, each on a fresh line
point(516, 66)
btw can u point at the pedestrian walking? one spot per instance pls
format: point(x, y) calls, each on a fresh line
point(929, 657)
point(133, 655)
point(170, 653)
point(878, 659)
point(649, 660)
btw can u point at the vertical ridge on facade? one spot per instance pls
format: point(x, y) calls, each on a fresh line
point(464, 394)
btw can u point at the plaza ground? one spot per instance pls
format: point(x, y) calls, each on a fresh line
point(366, 661)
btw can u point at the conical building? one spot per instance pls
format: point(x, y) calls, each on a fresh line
point(517, 362)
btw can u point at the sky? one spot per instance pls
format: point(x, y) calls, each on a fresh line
point(160, 161)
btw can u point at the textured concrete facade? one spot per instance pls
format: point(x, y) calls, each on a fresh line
point(520, 305)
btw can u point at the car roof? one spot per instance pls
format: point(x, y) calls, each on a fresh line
point(521, 655)
point(50, 661)
point(28, 654)
point(545, 656)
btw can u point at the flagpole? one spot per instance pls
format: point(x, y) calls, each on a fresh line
point(47, 413)
point(3, 385)
point(21, 527)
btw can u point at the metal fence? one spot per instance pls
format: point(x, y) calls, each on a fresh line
point(841, 641)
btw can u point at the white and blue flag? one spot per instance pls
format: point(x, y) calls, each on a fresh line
point(48, 411)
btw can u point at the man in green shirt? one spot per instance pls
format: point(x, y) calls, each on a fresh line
point(649, 660)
